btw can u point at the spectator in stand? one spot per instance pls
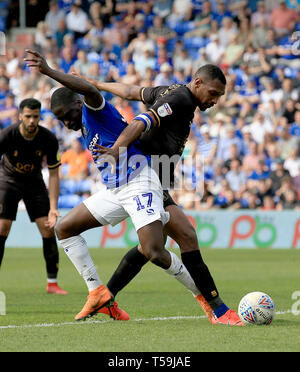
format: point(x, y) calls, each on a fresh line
point(260, 172)
point(287, 91)
point(289, 201)
point(292, 163)
point(67, 60)
point(139, 44)
point(207, 146)
point(202, 22)
point(162, 8)
point(54, 15)
point(225, 143)
point(252, 159)
point(287, 143)
point(77, 160)
point(183, 63)
point(260, 126)
point(117, 26)
point(283, 19)
point(259, 34)
point(273, 155)
point(260, 14)
point(144, 61)
point(290, 110)
point(8, 111)
point(77, 20)
point(221, 13)
point(12, 62)
point(124, 109)
point(4, 89)
point(41, 35)
point(295, 126)
point(81, 66)
point(230, 201)
point(250, 200)
point(60, 33)
point(236, 178)
point(226, 31)
point(69, 42)
point(182, 11)
point(165, 77)
point(277, 176)
point(160, 30)
point(214, 50)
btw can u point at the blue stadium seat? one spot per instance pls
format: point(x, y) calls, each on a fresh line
point(195, 42)
point(69, 201)
point(83, 186)
point(68, 187)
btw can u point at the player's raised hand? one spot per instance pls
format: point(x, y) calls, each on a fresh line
point(35, 59)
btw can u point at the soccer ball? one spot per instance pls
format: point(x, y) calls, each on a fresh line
point(256, 308)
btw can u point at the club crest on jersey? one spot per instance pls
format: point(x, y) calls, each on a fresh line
point(164, 110)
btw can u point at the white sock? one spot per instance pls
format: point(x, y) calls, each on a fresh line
point(179, 271)
point(78, 252)
point(51, 280)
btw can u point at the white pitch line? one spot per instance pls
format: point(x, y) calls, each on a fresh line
point(44, 325)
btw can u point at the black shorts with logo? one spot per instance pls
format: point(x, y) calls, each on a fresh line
point(33, 193)
point(168, 199)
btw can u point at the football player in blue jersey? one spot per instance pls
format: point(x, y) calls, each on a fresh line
point(173, 107)
point(132, 190)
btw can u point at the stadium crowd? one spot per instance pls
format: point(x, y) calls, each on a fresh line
point(242, 153)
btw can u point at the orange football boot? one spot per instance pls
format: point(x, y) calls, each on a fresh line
point(230, 318)
point(206, 308)
point(114, 312)
point(97, 299)
point(54, 288)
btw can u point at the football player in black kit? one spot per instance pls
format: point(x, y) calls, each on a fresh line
point(172, 108)
point(23, 147)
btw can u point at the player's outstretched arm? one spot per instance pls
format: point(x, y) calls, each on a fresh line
point(91, 95)
point(125, 91)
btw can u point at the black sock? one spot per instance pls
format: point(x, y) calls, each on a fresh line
point(2, 246)
point(50, 251)
point(128, 268)
point(200, 273)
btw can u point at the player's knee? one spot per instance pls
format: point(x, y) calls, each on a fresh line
point(153, 251)
point(62, 229)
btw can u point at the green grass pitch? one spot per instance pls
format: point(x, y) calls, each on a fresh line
point(164, 316)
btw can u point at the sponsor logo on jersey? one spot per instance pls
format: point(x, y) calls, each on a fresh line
point(93, 142)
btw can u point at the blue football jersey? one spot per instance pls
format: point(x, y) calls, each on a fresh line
point(103, 126)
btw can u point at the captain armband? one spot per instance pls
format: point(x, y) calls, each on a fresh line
point(147, 120)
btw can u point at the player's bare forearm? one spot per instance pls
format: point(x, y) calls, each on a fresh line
point(74, 83)
point(125, 91)
point(129, 134)
point(53, 187)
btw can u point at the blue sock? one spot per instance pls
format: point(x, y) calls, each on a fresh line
point(221, 310)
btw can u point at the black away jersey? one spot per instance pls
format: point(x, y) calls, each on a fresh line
point(22, 157)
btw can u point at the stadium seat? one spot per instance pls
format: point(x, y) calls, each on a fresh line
point(69, 201)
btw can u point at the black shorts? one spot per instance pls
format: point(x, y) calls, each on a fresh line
point(34, 195)
point(168, 199)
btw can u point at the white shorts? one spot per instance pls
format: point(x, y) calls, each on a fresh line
point(141, 199)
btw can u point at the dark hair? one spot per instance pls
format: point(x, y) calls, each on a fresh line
point(63, 96)
point(209, 73)
point(30, 103)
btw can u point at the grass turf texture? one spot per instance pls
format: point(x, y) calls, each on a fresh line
point(152, 296)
